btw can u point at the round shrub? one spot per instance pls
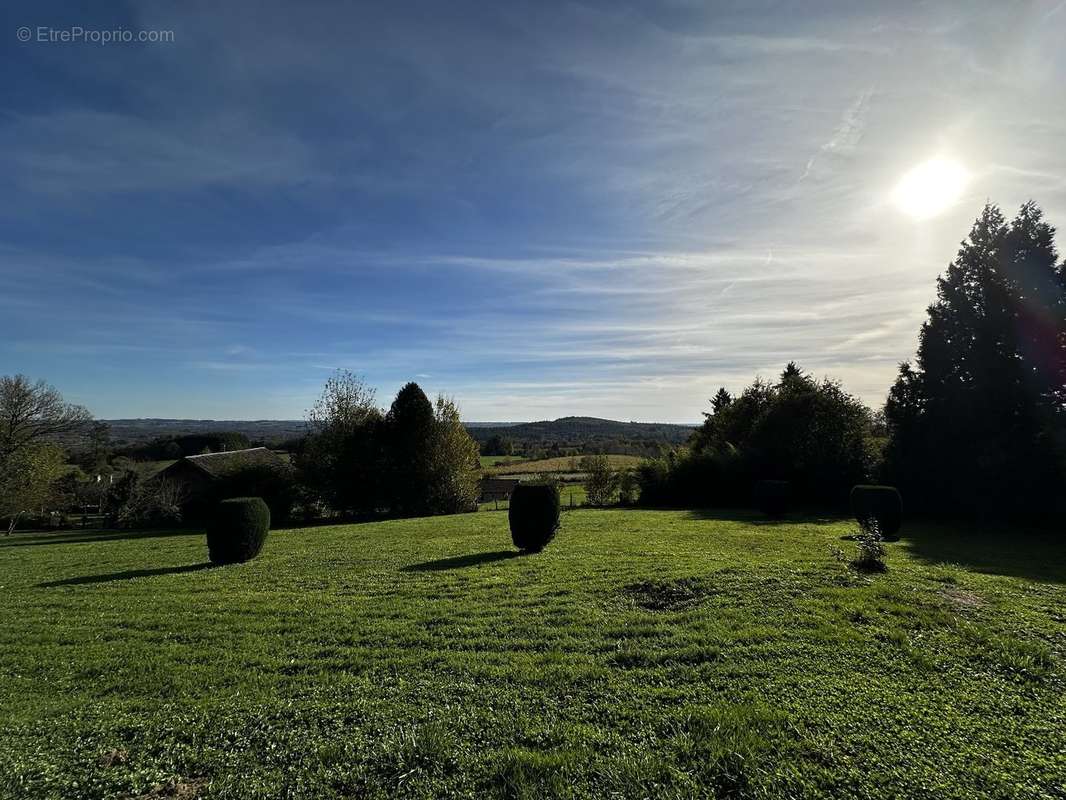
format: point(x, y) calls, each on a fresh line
point(237, 529)
point(772, 497)
point(882, 504)
point(533, 515)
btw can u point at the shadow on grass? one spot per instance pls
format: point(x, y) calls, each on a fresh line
point(458, 562)
point(753, 517)
point(1036, 555)
point(129, 574)
point(83, 537)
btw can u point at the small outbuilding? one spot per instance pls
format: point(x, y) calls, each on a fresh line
point(200, 476)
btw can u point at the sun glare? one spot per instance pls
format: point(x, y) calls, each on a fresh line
point(930, 188)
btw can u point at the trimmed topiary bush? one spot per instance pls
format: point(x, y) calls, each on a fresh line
point(772, 497)
point(237, 529)
point(533, 515)
point(882, 504)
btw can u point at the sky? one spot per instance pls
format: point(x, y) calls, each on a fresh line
point(540, 209)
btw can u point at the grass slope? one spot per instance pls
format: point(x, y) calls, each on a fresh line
point(643, 654)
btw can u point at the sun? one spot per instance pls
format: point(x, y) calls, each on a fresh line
point(930, 188)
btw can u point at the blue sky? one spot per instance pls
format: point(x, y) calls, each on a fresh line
point(541, 209)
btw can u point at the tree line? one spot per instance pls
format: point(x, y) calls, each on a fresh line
point(415, 459)
point(974, 427)
point(577, 436)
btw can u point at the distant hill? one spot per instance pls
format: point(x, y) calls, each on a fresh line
point(588, 434)
point(568, 433)
point(268, 431)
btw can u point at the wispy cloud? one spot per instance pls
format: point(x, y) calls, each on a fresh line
point(848, 133)
point(80, 152)
point(590, 209)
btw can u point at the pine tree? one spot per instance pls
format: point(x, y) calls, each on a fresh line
point(791, 374)
point(977, 423)
point(719, 402)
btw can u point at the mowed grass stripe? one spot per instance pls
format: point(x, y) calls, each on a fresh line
point(643, 654)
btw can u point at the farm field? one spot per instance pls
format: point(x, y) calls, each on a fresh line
point(564, 464)
point(643, 654)
point(492, 461)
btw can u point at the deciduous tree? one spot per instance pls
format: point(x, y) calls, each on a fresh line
point(454, 468)
point(34, 413)
point(601, 482)
point(27, 481)
point(34, 417)
point(341, 460)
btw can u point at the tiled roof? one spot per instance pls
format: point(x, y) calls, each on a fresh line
point(219, 465)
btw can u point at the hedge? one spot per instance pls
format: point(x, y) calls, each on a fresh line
point(772, 497)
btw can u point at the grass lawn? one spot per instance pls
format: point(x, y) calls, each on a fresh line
point(643, 654)
point(572, 495)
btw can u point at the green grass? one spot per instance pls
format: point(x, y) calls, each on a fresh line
point(492, 461)
point(643, 654)
point(572, 495)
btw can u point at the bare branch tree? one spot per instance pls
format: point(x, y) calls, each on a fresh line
point(33, 413)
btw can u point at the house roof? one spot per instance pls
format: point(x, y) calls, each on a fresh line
point(219, 465)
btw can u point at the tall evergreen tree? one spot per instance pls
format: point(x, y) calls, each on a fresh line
point(791, 373)
point(977, 423)
point(409, 427)
point(721, 399)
